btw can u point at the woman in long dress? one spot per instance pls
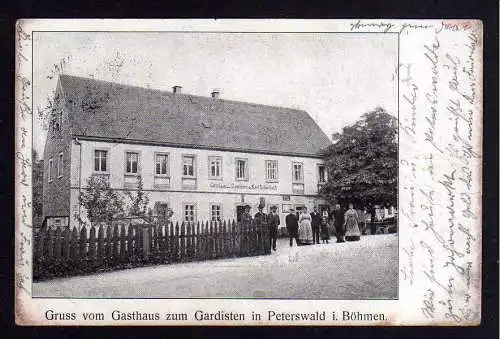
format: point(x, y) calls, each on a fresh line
point(352, 232)
point(305, 229)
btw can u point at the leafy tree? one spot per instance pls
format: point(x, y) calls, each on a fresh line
point(139, 201)
point(101, 202)
point(362, 162)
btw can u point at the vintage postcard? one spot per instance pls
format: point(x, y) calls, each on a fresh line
point(248, 172)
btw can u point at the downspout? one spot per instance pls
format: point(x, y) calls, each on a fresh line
point(79, 183)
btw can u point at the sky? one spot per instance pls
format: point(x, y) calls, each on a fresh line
point(335, 77)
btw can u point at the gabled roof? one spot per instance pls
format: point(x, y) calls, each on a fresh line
point(107, 110)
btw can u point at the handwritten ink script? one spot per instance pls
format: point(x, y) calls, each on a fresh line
point(23, 157)
point(440, 157)
point(439, 109)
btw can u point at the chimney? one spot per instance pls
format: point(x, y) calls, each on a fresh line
point(177, 89)
point(215, 94)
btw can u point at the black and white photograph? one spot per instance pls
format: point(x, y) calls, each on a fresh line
point(248, 172)
point(215, 165)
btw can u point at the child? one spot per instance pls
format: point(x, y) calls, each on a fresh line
point(325, 234)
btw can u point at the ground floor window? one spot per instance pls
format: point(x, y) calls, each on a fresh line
point(215, 212)
point(161, 209)
point(189, 212)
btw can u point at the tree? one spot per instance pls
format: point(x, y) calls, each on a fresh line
point(101, 202)
point(139, 201)
point(362, 162)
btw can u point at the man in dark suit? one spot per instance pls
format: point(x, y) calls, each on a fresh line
point(338, 215)
point(293, 227)
point(373, 219)
point(273, 221)
point(245, 216)
point(315, 224)
point(260, 217)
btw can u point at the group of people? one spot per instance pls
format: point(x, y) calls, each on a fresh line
point(308, 228)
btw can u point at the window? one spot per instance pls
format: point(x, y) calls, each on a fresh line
point(161, 164)
point(241, 169)
point(60, 165)
point(132, 163)
point(215, 167)
point(161, 209)
point(271, 170)
point(57, 223)
point(298, 172)
point(215, 212)
point(188, 166)
point(189, 213)
point(50, 170)
point(100, 160)
point(321, 174)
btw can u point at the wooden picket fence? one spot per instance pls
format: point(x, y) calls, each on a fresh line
point(63, 252)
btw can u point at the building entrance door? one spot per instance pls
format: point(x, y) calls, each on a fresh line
point(240, 209)
point(298, 209)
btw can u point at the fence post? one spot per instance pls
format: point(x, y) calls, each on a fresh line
point(189, 242)
point(146, 241)
point(119, 238)
point(100, 243)
point(57, 243)
point(225, 247)
point(182, 251)
point(205, 241)
point(197, 241)
point(92, 247)
point(39, 241)
point(211, 241)
point(49, 244)
point(131, 245)
point(109, 244)
point(176, 241)
point(241, 237)
point(193, 240)
point(83, 243)
point(74, 245)
point(234, 242)
point(66, 244)
point(171, 242)
point(216, 239)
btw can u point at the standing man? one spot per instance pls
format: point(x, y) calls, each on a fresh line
point(246, 217)
point(260, 217)
point(315, 224)
point(339, 222)
point(273, 221)
point(293, 227)
point(373, 219)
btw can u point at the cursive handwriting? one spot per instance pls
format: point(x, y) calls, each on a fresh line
point(432, 55)
point(410, 91)
point(410, 273)
point(25, 164)
point(428, 308)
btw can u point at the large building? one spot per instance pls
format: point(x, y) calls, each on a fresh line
point(203, 157)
